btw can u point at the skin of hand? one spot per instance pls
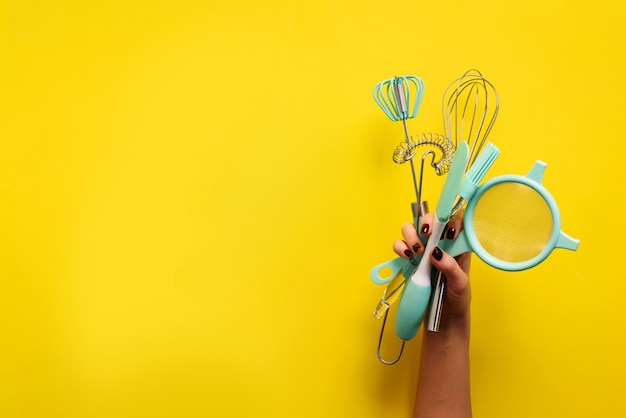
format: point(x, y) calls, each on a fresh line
point(443, 386)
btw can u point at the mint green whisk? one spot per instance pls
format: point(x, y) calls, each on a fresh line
point(400, 99)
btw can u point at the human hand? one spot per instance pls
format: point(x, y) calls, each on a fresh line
point(455, 269)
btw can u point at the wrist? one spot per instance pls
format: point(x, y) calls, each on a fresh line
point(453, 329)
point(443, 384)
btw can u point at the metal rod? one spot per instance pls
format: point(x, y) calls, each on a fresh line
point(380, 341)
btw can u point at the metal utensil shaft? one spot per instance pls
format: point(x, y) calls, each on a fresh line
point(401, 101)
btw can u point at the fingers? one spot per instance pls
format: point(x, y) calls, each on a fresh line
point(411, 245)
point(426, 225)
point(454, 226)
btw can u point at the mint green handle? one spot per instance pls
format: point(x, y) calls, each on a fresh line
point(396, 265)
point(567, 242)
point(459, 245)
point(411, 310)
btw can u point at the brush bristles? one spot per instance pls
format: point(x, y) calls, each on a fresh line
point(483, 162)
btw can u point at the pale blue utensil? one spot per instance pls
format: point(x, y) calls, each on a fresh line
point(503, 210)
point(416, 296)
point(400, 99)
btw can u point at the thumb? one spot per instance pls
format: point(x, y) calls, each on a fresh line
point(458, 294)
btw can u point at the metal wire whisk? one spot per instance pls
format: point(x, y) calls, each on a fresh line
point(400, 99)
point(470, 106)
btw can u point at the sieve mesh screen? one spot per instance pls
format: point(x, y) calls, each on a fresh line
point(512, 222)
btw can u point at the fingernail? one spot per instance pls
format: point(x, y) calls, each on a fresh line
point(443, 233)
point(416, 247)
point(425, 228)
point(408, 253)
point(437, 253)
point(450, 234)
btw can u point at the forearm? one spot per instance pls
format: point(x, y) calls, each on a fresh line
point(444, 388)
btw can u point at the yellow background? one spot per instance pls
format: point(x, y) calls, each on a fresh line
point(192, 194)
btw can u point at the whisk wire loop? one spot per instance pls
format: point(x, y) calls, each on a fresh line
point(380, 343)
point(470, 106)
point(407, 150)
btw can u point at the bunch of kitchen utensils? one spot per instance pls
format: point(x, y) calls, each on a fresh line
point(511, 222)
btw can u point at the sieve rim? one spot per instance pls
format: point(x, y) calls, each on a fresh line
point(479, 250)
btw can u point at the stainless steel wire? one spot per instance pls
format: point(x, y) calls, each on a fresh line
point(470, 106)
point(407, 150)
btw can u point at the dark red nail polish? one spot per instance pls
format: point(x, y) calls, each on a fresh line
point(416, 247)
point(437, 253)
point(450, 234)
point(408, 253)
point(425, 228)
point(443, 233)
